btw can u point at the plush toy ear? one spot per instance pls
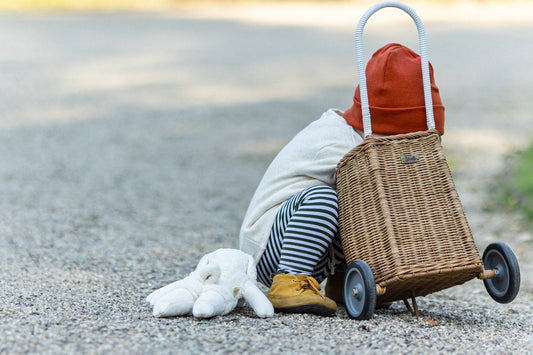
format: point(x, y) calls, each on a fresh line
point(257, 300)
point(178, 302)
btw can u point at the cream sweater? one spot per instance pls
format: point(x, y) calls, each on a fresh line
point(310, 158)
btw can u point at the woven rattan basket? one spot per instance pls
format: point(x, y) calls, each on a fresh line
point(398, 207)
point(399, 212)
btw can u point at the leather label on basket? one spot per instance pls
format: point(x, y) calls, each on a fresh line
point(410, 159)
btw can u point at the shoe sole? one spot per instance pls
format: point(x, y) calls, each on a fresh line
point(316, 309)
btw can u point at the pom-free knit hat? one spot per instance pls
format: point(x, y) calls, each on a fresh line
point(396, 93)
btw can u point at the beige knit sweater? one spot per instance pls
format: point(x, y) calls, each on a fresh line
point(308, 159)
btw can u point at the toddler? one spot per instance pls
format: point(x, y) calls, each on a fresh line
point(291, 225)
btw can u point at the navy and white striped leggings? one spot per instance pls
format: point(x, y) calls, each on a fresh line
point(304, 238)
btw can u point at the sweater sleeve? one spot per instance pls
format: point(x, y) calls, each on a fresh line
point(310, 158)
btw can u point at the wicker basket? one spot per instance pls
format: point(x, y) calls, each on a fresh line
point(398, 207)
point(399, 211)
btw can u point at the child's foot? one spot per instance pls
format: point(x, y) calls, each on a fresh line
point(299, 294)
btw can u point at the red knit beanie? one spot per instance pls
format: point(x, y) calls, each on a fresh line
point(396, 93)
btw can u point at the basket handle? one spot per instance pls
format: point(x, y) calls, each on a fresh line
point(361, 64)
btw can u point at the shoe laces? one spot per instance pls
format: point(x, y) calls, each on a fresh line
point(307, 282)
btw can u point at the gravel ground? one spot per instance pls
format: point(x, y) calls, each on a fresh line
point(130, 145)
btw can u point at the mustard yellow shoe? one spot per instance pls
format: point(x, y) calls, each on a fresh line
point(335, 287)
point(299, 294)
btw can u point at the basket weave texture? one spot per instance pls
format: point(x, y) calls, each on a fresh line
point(399, 212)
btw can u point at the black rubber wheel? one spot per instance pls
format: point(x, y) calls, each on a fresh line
point(359, 290)
point(503, 287)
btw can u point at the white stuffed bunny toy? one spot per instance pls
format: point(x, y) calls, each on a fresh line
point(219, 281)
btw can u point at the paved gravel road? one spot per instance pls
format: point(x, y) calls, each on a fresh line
point(130, 145)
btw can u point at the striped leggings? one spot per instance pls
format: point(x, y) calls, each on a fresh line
point(304, 238)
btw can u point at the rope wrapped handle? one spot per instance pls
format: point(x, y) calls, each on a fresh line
point(361, 64)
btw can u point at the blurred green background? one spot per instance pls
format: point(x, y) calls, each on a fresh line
point(514, 184)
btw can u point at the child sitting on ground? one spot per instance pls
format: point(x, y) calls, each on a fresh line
point(291, 225)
